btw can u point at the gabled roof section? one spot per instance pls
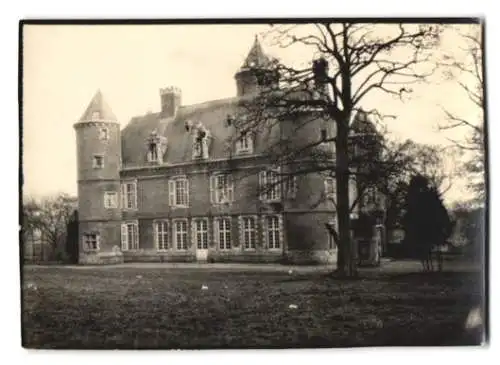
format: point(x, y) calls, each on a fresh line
point(98, 110)
point(256, 57)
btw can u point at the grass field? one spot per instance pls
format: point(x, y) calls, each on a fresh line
point(167, 308)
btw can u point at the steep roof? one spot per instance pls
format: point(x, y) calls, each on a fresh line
point(98, 109)
point(213, 115)
point(362, 122)
point(256, 57)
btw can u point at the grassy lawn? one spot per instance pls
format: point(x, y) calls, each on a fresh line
point(166, 308)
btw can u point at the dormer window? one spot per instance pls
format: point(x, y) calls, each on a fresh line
point(244, 144)
point(96, 116)
point(154, 148)
point(153, 152)
point(200, 142)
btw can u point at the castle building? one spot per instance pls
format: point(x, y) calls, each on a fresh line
point(169, 187)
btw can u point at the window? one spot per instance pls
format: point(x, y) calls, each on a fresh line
point(91, 241)
point(129, 195)
point(200, 142)
point(222, 233)
point(370, 196)
point(244, 144)
point(200, 148)
point(96, 116)
point(330, 188)
point(331, 226)
point(161, 235)
point(291, 187)
point(197, 149)
point(331, 242)
point(249, 232)
point(98, 162)
point(130, 236)
point(273, 232)
point(269, 185)
point(104, 134)
point(201, 233)
point(180, 234)
point(153, 152)
point(221, 189)
point(178, 190)
point(110, 200)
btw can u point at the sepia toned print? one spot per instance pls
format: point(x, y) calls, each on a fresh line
point(253, 185)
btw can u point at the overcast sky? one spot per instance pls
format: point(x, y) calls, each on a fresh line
point(65, 65)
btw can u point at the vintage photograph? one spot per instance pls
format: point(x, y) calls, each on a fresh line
point(306, 183)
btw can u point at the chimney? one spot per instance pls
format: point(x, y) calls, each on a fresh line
point(170, 101)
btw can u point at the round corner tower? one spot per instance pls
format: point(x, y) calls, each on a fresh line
point(98, 172)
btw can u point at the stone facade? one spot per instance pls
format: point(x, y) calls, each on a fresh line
point(129, 208)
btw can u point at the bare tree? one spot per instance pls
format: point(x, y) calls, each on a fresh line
point(51, 215)
point(353, 60)
point(468, 73)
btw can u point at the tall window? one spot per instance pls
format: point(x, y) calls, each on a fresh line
point(201, 233)
point(153, 152)
point(161, 235)
point(331, 227)
point(269, 185)
point(91, 241)
point(200, 142)
point(249, 232)
point(110, 200)
point(180, 234)
point(330, 188)
point(221, 189)
point(244, 144)
point(129, 195)
point(130, 236)
point(178, 190)
point(98, 162)
point(223, 233)
point(331, 242)
point(291, 187)
point(272, 226)
point(198, 148)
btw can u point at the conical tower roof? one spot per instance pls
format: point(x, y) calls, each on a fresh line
point(256, 57)
point(98, 110)
point(362, 122)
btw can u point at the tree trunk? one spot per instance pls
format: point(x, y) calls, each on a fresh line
point(346, 264)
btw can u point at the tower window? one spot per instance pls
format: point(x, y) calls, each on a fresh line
point(110, 200)
point(104, 134)
point(330, 185)
point(98, 162)
point(91, 241)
